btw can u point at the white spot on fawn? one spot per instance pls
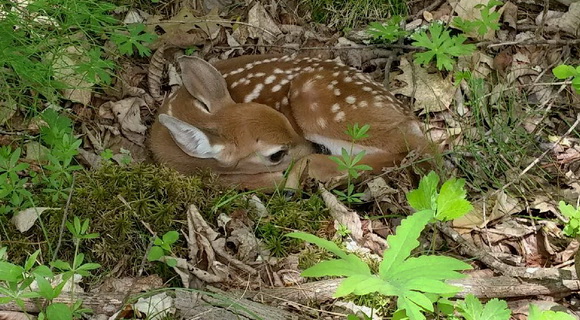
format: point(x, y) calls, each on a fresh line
point(270, 79)
point(348, 79)
point(335, 74)
point(321, 123)
point(277, 105)
point(339, 117)
point(260, 74)
point(363, 104)
point(276, 88)
point(284, 81)
point(314, 106)
point(335, 108)
point(367, 89)
point(337, 92)
point(278, 71)
point(255, 93)
point(350, 99)
point(333, 82)
point(285, 101)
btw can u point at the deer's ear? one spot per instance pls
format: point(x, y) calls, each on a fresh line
point(191, 139)
point(204, 83)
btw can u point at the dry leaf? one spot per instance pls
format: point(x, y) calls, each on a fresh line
point(262, 26)
point(342, 214)
point(25, 219)
point(64, 63)
point(432, 93)
point(128, 114)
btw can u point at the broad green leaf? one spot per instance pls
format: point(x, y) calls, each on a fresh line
point(420, 299)
point(564, 71)
point(171, 262)
point(171, 237)
point(423, 198)
point(440, 268)
point(45, 288)
point(568, 210)
point(348, 285)
point(325, 244)
point(412, 310)
point(58, 311)
point(473, 309)
point(155, 253)
point(10, 272)
point(537, 314)
point(403, 241)
point(451, 203)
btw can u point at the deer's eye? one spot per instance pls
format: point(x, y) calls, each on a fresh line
point(278, 156)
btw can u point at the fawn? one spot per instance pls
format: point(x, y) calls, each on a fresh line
point(248, 118)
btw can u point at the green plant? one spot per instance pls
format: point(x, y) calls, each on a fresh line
point(135, 39)
point(537, 314)
point(564, 71)
point(440, 46)
point(472, 309)
point(447, 204)
point(162, 247)
point(572, 228)
point(13, 194)
point(415, 281)
point(489, 19)
point(16, 282)
point(388, 31)
point(38, 34)
point(349, 162)
point(57, 135)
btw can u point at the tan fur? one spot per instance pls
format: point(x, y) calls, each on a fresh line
point(318, 99)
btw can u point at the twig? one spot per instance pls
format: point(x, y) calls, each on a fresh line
point(528, 42)
point(467, 248)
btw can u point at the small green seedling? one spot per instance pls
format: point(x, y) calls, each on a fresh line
point(389, 31)
point(441, 46)
point(162, 247)
point(349, 162)
point(448, 204)
point(489, 19)
point(564, 71)
point(136, 38)
point(572, 228)
point(415, 281)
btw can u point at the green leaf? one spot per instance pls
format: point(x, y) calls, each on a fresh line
point(325, 244)
point(31, 260)
point(155, 253)
point(537, 314)
point(451, 203)
point(10, 272)
point(403, 241)
point(564, 71)
point(473, 309)
point(171, 262)
point(424, 197)
point(170, 237)
point(58, 311)
point(45, 288)
point(568, 210)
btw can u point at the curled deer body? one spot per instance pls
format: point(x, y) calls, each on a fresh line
point(249, 117)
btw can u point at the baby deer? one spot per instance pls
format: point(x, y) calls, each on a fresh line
point(285, 103)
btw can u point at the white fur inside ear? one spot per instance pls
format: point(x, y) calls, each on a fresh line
point(190, 139)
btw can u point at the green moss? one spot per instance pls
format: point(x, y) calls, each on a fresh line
point(285, 216)
point(124, 204)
